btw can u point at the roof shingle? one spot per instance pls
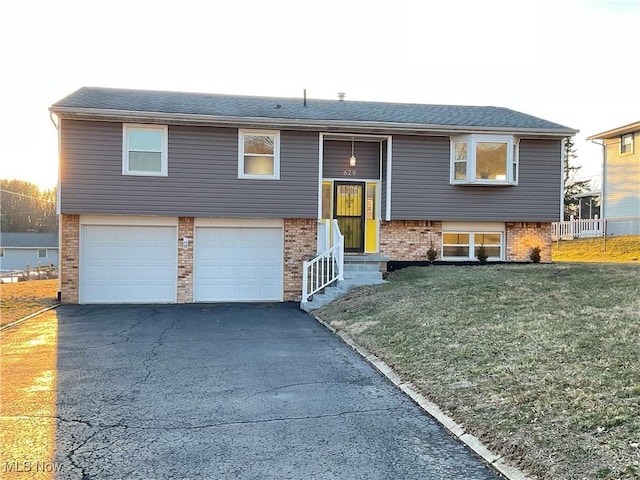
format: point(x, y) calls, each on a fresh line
point(273, 108)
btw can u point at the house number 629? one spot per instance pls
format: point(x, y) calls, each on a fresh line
point(349, 173)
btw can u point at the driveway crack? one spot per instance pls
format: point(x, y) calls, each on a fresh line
point(154, 353)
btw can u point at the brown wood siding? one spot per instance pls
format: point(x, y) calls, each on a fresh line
point(202, 180)
point(421, 189)
point(336, 154)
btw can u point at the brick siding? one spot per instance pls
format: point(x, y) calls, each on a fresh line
point(409, 239)
point(300, 244)
point(185, 260)
point(521, 237)
point(69, 258)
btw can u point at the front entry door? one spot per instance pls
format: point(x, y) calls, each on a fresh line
point(349, 212)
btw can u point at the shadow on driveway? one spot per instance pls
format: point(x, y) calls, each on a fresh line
point(227, 391)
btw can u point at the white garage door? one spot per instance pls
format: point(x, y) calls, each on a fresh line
point(128, 264)
point(238, 264)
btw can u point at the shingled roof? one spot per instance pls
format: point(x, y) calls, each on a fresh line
point(28, 240)
point(131, 105)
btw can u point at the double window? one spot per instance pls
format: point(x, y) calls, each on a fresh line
point(465, 245)
point(484, 160)
point(144, 149)
point(259, 154)
point(626, 143)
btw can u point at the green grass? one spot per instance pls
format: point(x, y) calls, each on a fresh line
point(622, 249)
point(542, 362)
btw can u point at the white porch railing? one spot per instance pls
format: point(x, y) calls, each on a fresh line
point(586, 228)
point(326, 267)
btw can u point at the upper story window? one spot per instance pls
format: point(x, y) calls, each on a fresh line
point(484, 160)
point(42, 253)
point(259, 154)
point(626, 143)
point(144, 149)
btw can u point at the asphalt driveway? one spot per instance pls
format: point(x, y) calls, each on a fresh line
point(231, 391)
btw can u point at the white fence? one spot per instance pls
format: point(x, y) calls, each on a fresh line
point(37, 273)
point(585, 228)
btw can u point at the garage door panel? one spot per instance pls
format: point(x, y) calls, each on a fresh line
point(238, 264)
point(122, 263)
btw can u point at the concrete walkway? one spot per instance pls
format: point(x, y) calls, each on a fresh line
point(217, 391)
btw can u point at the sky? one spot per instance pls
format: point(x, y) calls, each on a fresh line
point(572, 62)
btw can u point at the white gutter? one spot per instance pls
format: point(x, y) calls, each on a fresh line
point(352, 126)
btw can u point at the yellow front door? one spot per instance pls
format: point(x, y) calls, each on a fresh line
point(349, 209)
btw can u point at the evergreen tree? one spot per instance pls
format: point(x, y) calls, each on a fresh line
point(572, 186)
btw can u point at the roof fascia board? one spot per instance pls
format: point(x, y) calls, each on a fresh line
point(616, 132)
point(329, 125)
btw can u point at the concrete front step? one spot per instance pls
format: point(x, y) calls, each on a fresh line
point(365, 274)
point(359, 270)
point(361, 267)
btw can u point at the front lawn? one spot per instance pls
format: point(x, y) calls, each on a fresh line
point(622, 249)
point(24, 298)
point(542, 362)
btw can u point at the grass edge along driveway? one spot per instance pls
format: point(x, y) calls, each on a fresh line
point(539, 361)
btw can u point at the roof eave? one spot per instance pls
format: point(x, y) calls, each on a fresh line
point(616, 132)
point(305, 124)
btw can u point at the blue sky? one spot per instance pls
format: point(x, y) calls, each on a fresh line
point(573, 62)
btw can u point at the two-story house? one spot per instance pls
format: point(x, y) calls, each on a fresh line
point(621, 178)
point(186, 197)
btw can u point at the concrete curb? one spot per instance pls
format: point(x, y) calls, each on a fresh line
point(494, 460)
point(24, 319)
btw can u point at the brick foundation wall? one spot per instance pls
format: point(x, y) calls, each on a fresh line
point(521, 237)
point(409, 239)
point(69, 257)
point(300, 244)
point(185, 260)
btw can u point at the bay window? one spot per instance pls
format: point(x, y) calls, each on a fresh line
point(484, 160)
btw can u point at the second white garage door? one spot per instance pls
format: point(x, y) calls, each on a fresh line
point(238, 264)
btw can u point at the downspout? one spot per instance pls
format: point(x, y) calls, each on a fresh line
point(58, 196)
point(603, 217)
point(604, 177)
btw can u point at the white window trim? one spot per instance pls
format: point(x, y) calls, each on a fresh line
point(472, 230)
point(276, 154)
point(631, 151)
point(164, 129)
point(512, 160)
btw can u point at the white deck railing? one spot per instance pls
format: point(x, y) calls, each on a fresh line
point(586, 228)
point(325, 268)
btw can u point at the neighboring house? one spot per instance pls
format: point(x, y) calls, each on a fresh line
point(621, 179)
point(17, 250)
point(589, 204)
point(183, 197)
